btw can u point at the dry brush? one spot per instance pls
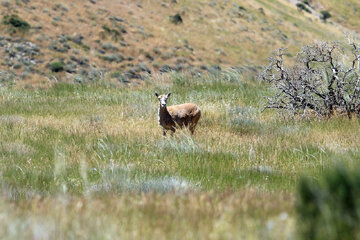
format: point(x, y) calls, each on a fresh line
point(325, 80)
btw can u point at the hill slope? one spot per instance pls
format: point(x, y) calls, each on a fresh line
point(123, 40)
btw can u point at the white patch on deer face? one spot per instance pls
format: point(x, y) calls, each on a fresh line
point(162, 100)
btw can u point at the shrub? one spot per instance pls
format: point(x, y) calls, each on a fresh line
point(56, 67)
point(306, 2)
point(176, 19)
point(16, 23)
point(113, 58)
point(319, 82)
point(301, 6)
point(325, 15)
point(242, 8)
point(114, 34)
point(330, 209)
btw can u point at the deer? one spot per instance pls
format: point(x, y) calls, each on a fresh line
point(177, 116)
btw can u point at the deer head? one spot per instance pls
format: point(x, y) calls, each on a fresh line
point(162, 99)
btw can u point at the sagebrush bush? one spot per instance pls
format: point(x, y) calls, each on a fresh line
point(56, 67)
point(114, 34)
point(330, 209)
point(306, 2)
point(176, 19)
point(16, 23)
point(325, 15)
point(301, 6)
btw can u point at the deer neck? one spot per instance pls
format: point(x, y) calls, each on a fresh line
point(164, 115)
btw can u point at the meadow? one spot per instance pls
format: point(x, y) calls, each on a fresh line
point(90, 162)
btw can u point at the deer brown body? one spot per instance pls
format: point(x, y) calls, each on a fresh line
point(177, 116)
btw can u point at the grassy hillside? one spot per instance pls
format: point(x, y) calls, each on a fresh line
point(343, 13)
point(90, 162)
point(126, 40)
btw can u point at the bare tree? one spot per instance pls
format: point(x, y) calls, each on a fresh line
point(324, 79)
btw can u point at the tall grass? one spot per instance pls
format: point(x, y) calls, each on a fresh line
point(90, 161)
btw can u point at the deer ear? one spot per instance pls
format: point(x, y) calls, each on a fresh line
point(169, 94)
point(156, 94)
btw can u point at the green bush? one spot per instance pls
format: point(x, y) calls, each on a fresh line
point(330, 208)
point(306, 2)
point(16, 23)
point(301, 6)
point(325, 15)
point(56, 67)
point(176, 19)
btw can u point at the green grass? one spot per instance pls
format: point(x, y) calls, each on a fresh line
point(72, 154)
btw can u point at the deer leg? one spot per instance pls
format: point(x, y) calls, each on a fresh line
point(192, 131)
point(193, 124)
point(164, 132)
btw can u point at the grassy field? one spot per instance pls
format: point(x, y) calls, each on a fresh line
point(90, 161)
